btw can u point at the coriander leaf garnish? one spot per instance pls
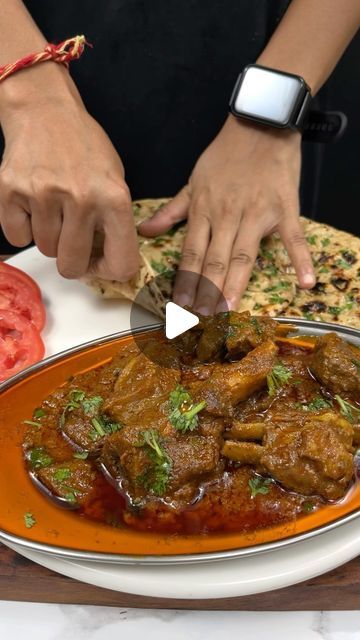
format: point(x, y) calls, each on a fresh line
point(183, 412)
point(311, 239)
point(39, 413)
point(71, 494)
point(278, 377)
point(79, 400)
point(275, 298)
point(98, 427)
point(308, 315)
point(103, 426)
point(255, 322)
point(271, 270)
point(29, 520)
point(172, 254)
point(349, 411)
point(81, 455)
point(39, 458)
point(162, 269)
point(258, 484)
point(316, 404)
point(91, 405)
point(111, 427)
point(70, 497)
point(159, 241)
point(32, 423)
point(277, 287)
point(343, 264)
point(319, 403)
point(356, 363)
point(62, 474)
point(308, 507)
point(76, 396)
point(349, 301)
point(156, 477)
point(152, 439)
point(334, 310)
point(325, 242)
point(266, 254)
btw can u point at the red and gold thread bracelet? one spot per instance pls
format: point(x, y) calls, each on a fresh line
point(64, 52)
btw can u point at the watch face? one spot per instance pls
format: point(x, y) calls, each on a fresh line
point(267, 95)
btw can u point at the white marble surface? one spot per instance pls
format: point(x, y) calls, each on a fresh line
point(73, 622)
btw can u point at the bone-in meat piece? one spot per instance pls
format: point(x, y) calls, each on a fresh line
point(232, 383)
point(313, 459)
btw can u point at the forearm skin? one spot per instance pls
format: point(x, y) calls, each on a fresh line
point(48, 81)
point(311, 38)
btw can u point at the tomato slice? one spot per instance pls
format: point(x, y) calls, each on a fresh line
point(20, 275)
point(20, 344)
point(19, 293)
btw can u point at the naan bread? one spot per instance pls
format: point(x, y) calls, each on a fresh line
point(273, 288)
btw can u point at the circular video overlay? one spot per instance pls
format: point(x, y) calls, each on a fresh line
point(182, 328)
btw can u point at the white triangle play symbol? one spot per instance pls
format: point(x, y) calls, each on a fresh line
point(178, 320)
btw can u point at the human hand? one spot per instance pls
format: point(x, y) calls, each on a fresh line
point(243, 187)
point(61, 180)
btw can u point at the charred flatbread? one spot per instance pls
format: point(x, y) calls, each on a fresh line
point(272, 289)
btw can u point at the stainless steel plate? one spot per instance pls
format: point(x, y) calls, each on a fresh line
point(305, 327)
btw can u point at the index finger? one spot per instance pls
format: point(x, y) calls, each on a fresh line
point(120, 259)
point(192, 258)
point(242, 260)
point(295, 243)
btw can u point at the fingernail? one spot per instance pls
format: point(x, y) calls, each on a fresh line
point(231, 304)
point(222, 306)
point(308, 279)
point(183, 300)
point(203, 311)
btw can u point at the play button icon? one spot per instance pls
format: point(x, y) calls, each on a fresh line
point(168, 320)
point(178, 320)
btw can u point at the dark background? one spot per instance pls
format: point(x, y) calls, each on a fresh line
point(159, 77)
point(339, 197)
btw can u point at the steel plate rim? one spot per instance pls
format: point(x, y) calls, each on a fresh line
point(175, 559)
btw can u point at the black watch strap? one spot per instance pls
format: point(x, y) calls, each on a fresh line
point(323, 126)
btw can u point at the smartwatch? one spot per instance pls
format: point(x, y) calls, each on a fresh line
point(277, 99)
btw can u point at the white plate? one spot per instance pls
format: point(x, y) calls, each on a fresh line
point(225, 579)
point(76, 315)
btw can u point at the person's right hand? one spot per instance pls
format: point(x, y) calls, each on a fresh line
point(61, 180)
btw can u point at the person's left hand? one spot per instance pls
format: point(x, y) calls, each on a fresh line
point(243, 187)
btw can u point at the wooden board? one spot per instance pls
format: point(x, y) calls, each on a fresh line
point(23, 580)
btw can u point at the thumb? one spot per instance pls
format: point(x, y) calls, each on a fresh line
point(168, 215)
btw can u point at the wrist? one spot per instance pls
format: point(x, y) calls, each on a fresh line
point(247, 129)
point(35, 87)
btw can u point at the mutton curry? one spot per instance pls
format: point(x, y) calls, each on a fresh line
point(233, 426)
